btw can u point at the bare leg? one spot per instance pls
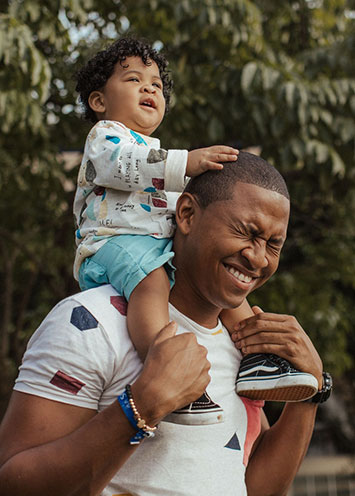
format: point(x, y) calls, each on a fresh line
point(267, 377)
point(233, 316)
point(147, 311)
point(147, 314)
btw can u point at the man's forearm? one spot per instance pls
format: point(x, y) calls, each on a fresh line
point(81, 463)
point(49, 447)
point(280, 451)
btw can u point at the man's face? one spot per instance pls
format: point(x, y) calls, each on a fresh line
point(134, 96)
point(233, 247)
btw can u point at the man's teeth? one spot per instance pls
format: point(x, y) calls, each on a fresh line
point(239, 275)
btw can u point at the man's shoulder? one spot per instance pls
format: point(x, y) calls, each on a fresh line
point(77, 353)
point(103, 303)
point(96, 317)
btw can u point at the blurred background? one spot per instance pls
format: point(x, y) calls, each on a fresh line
point(275, 77)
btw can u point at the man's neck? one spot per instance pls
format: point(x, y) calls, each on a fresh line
point(190, 303)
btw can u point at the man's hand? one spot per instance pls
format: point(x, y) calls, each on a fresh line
point(175, 373)
point(209, 158)
point(94, 446)
point(281, 335)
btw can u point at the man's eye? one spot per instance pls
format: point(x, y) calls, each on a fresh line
point(241, 233)
point(274, 248)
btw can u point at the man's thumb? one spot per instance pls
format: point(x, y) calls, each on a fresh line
point(167, 332)
point(257, 310)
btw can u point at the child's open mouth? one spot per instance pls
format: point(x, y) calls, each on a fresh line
point(148, 103)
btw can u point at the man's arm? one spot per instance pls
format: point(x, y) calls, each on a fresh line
point(279, 450)
point(47, 447)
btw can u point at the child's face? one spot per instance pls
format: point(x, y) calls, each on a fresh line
point(133, 95)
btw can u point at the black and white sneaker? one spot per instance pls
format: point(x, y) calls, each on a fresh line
point(201, 412)
point(269, 377)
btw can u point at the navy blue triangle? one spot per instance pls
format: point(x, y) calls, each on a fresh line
point(233, 443)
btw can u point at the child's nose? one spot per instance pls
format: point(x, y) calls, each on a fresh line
point(149, 88)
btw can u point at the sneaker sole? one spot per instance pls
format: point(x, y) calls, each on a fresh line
point(291, 393)
point(195, 418)
point(287, 388)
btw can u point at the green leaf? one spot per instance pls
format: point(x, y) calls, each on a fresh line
point(248, 74)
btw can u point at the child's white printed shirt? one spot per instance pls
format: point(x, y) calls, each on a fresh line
point(127, 184)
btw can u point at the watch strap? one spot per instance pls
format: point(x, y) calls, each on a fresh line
point(325, 392)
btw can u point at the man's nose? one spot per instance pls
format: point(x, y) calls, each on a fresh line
point(256, 255)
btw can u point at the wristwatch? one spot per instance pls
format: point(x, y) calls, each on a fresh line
point(325, 392)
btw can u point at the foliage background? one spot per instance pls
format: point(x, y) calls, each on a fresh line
point(279, 75)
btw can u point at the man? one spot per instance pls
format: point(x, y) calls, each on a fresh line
point(65, 433)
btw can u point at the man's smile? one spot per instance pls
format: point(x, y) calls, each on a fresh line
point(241, 277)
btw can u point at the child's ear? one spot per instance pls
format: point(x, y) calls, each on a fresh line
point(187, 211)
point(96, 101)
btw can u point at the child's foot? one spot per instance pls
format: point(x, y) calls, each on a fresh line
point(201, 412)
point(269, 377)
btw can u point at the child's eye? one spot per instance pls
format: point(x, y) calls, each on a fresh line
point(158, 85)
point(133, 79)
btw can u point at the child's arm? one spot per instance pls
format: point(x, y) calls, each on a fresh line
point(231, 317)
point(114, 161)
point(117, 158)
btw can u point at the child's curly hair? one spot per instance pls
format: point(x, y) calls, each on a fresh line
point(95, 73)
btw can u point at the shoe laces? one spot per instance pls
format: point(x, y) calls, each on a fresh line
point(282, 363)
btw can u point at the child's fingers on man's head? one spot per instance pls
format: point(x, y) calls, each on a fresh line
point(233, 151)
point(214, 165)
point(222, 157)
point(224, 149)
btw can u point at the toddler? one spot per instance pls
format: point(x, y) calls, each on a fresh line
point(127, 189)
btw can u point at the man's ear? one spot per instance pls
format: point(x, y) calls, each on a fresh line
point(97, 102)
point(187, 210)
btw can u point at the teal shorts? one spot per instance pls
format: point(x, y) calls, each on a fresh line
point(125, 260)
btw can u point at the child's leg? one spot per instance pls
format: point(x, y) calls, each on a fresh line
point(232, 316)
point(147, 311)
point(263, 376)
point(124, 262)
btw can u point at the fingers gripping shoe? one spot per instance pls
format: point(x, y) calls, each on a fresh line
point(272, 378)
point(201, 412)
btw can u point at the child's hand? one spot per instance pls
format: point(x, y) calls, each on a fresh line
point(204, 159)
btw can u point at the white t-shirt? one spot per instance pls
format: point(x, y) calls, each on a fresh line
point(82, 355)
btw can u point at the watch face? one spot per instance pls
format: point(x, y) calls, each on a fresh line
point(328, 381)
point(324, 394)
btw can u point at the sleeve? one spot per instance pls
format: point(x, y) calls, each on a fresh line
point(117, 160)
point(68, 359)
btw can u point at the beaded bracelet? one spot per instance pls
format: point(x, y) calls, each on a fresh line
point(130, 410)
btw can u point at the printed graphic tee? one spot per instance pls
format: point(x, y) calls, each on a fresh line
point(82, 355)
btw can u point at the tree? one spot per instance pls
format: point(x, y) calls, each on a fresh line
point(275, 74)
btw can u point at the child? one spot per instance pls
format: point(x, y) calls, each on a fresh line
point(127, 189)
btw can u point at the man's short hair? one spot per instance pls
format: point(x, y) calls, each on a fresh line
point(96, 72)
point(218, 185)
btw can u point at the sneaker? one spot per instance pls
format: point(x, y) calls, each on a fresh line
point(201, 412)
point(269, 377)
